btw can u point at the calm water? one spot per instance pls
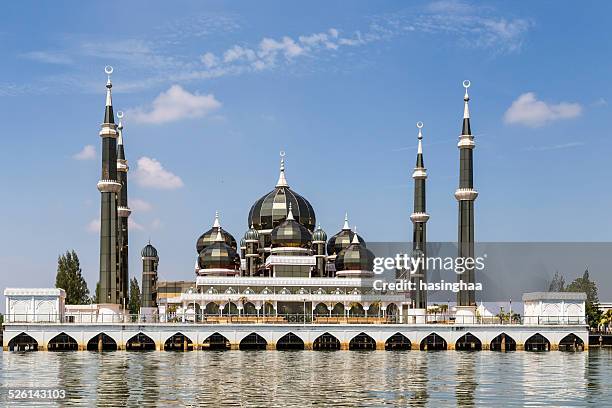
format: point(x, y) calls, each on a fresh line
point(307, 378)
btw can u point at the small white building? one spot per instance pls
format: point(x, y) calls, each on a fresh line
point(34, 305)
point(554, 308)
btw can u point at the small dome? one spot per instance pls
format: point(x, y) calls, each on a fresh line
point(319, 235)
point(342, 239)
point(219, 255)
point(149, 251)
point(251, 234)
point(291, 233)
point(209, 236)
point(355, 257)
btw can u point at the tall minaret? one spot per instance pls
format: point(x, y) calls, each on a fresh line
point(419, 219)
point(466, 195)
point(109, 186)
point(123, 211)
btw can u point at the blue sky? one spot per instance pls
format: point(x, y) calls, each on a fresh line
point(213, 91)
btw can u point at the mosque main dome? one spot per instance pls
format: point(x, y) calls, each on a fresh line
point(272, 209)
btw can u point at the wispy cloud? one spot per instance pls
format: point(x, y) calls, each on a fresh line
point(553, 147)
point(175, 104)
point(527, 110)
point(150, 173)
point(140, 205)
point(87, 153)
point(93, 226)
point(134, 226)
point(161, 59)
point(48, 57)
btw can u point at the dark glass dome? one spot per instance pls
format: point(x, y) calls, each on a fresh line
point(291, 233)
point(251, 235)
point(209, 236)
point(355, 257)
point(219, 255)
point(341, 241)
point(149, 251)
point(272, 209)
point(319, 235)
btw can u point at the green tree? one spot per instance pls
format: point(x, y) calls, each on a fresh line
point(557, 284)
point(585, 285)
point(96, 296)
point(70, 279)
point(1, 319)
point(134, 304)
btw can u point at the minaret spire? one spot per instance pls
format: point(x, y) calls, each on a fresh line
point(290, 214)
point(123, 212)
point(465, 195)
point(419, 219)
point(346, 223)
point(216, 224)
point(111, 279)
point(282, 181)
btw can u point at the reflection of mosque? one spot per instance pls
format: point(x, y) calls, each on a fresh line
point(284, 264)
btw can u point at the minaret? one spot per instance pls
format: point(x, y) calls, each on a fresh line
point(123, 211)
point(419, 219)
point(109, 187)
point(319, 239)
point(150, 260)
point(465, 195)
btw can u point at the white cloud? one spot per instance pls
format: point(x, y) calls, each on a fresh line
point(134, 226)
point(48, 57)
point(156, 224)
point(139, 205)
point(175, 104)
point(553, 147)
point(150, 173)
point(93, 226)
point(527, 110)
point(209, 59)
point(87, 153)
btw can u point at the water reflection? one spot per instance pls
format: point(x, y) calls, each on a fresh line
point(299, 378)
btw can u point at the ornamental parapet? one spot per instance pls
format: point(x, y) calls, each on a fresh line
point(466, 142)
point(124, 211)
point(109, 186)
point(419, 217)
point(466, 194)
point(419, 173)
point(122, 165)
point(108, 130)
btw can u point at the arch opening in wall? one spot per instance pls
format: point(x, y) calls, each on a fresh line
point(326, 342)
point(321, 310)
point(356, 310)
point(178, 342)
point(571, 342)
point(398, 342)
point(23, 342)
point(290, 342)
point(502, 342)
point(216, 341)
point(249, 309)
point(102, 342)
point(537, 342)
point(468, 342)
point(230, 309)
point(211, 309)
point(253, 342)
point(433, 342)
point(338, 310)
point(362, 342)
point(62, 342)
point(140, 342)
